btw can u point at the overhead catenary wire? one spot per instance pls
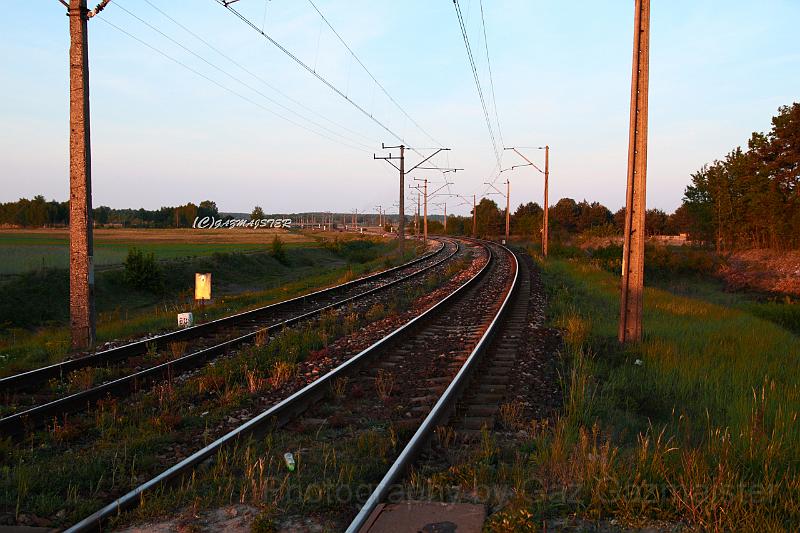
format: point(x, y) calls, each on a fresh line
point(363, 66)
point(237, 79)
point(311, 71)
point(228, 89)
point(491, 77)
point(474, 68)
point(254, 75)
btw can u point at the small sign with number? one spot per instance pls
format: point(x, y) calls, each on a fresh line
point(185, 320)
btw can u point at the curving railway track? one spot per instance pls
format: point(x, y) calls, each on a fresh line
point(431, 360)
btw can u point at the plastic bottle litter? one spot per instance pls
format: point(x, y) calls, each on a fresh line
point(288, 457)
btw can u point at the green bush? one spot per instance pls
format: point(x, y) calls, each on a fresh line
point(142, 271)
point(279, 251)
point(660, 261)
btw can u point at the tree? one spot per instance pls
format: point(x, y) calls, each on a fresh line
point(257, 213)
point(564, 215)
point(207, 208)
point(490, 220)
point(527, 220)
point(655, 222)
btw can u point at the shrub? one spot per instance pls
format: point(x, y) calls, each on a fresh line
point(142, 271)
point(660, 261)
point(279, 251)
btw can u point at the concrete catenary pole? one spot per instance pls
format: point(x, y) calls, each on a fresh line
point(81, 264)
point(401, 224)
point(425, 215)
point(445, 217)
point(631, 300)
point(474, 218)
point(416, 217)
point(545, 214)
point(508, 208)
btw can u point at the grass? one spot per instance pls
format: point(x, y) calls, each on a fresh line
point(697, 424)
point(240, 282)
point(27, 250)
point(117, 445)
point(696, 427)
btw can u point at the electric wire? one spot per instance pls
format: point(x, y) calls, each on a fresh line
point(238, 80)
point(491, 77)
point(477, 79)
point(256, 76)
point(225, 88)
point(363, 66)
point(310, 70)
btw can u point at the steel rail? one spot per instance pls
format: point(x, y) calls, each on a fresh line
point(21, 422)
point(41, 375)
point(440, 411)
point(276, 416)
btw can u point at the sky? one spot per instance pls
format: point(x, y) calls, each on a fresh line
point(175, 118)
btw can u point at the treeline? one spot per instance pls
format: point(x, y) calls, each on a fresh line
point(751, 198)
point(567, 219)
point(40, 213)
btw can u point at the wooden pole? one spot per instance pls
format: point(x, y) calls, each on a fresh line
point(631, 300)
point(401, 224)
point(545, 216)
point(474, 218)
point(425, 215)
point(81, 264)
point(508, 208)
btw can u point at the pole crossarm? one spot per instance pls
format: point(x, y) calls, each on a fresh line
point(426, 159)
point(497, 191)
point(529, 162)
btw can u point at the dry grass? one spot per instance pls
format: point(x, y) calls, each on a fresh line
point(282, 372)
point(255, 382)
point(511, 416)
point(177, 348)
point(384, 384)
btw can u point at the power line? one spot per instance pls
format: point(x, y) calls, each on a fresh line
point(491, 78)
point(297, 60)
point(382, 88)
point(477, 79)
point(256, 76)
point(238, 80)
point(223, 87)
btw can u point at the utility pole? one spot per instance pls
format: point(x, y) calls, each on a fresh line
point(81, 246)
point(546, 206)
point(631, 298)
point(416, 218)
point(425, 216)
point(508, 208)
point(474, 218)
point(546, 210)
point(403, 172)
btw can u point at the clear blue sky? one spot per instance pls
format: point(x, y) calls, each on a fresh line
point(162, 135)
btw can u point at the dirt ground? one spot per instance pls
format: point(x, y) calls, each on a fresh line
point(764, 270)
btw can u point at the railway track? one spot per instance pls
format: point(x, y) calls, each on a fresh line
point(430, 360)
point(31, 393)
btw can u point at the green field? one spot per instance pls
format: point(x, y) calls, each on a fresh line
point(22, 251)
point(34, 309)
